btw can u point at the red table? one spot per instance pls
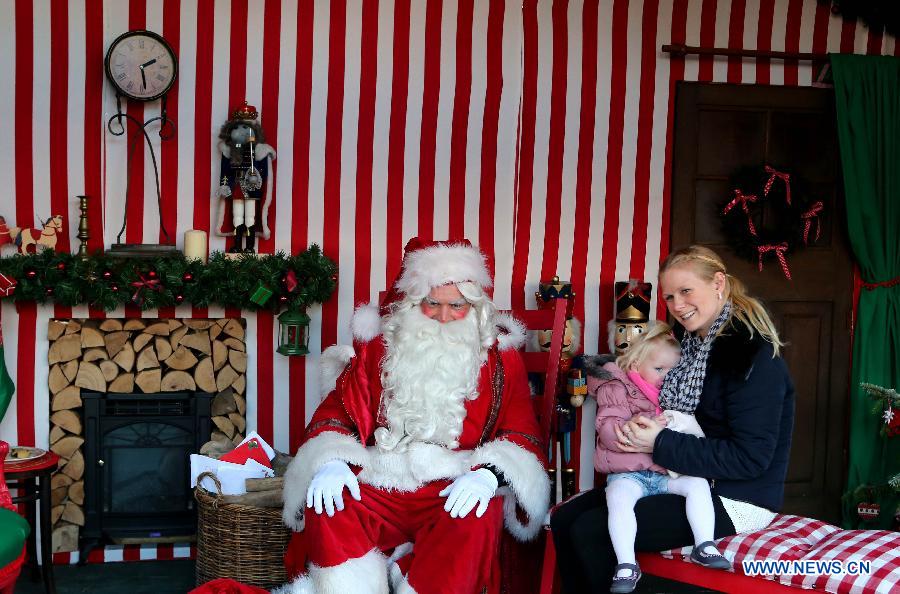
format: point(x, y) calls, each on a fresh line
point(31, 480)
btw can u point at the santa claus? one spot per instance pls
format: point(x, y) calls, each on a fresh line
point(427, 443)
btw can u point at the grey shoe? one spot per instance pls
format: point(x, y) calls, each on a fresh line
point(623, 585)
point(712, 560)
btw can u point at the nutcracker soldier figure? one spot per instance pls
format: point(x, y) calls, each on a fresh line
point(244, 179)
point(632, 314)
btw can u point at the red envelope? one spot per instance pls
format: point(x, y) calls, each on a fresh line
point(250, 450)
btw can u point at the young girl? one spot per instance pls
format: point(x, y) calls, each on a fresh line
point(625, 388)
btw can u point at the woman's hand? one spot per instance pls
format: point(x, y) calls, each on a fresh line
point(638, 435)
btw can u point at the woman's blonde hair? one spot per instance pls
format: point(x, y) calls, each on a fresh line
point(705, 263)
point(659, 334)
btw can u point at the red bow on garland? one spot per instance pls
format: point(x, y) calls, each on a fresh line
point(743, 200)
point(151, 284)
point(779, 249)
point(775, 174)
point(808, 217)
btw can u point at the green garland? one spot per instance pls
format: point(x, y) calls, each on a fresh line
point(105, 281)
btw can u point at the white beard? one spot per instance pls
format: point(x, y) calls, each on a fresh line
point(430, 370)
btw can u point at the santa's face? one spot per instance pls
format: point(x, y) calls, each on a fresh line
point(241, 134)
point(445, 304)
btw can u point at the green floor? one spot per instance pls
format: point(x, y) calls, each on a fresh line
point(177, 577)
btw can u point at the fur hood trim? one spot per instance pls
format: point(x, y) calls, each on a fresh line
point(593, 365)
point(512, 332)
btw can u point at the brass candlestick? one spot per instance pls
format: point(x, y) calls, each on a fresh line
point(83, 234)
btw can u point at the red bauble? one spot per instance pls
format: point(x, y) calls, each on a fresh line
point(334, 278)
point(31, 274)
point(106, 275)
point(187, 277)
point(179, 298)
point(151, 274)
point(61, 266)
point(282, 299)
point(114, 288)
point(49, 291)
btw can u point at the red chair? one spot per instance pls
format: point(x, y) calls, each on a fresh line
point(14, 530)
point(520, 563)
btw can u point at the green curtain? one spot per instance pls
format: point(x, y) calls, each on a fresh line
point(867, 94)
point(6, 384)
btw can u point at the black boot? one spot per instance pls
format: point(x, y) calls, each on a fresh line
point(239, 232)
point(251, 241)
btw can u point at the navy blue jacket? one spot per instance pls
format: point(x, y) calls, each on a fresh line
point(747, 412)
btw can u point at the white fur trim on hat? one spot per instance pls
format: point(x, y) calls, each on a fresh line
point(366, 322)
point(438, 265)
point(512, 332)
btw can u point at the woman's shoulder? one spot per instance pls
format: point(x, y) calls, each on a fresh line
point(738, 350)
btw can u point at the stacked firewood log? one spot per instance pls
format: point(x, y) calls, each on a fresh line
point(128, 356)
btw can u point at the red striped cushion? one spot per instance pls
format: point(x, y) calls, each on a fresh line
point(793, 538)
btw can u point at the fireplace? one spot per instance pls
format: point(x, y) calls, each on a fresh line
point(137, 471)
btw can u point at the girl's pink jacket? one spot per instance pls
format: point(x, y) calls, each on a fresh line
point(618, 400)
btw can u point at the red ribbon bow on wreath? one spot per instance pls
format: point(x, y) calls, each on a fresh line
point(775, 174)
point(808, 217)
point(779, 249)
point(743, 200)
point(151, 284)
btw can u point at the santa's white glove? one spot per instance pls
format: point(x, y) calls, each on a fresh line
point(475, 487)
point(327, 487)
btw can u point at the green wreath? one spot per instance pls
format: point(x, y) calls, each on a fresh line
point(791, 222)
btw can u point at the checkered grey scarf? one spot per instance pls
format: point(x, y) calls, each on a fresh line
point(683, 384)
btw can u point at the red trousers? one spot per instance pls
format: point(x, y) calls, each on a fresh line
point(451, 555)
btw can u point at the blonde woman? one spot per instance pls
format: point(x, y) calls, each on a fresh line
point(733, 380)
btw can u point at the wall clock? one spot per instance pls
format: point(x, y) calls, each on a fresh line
point(141, 65)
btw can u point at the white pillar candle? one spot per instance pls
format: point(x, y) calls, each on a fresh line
point(195, 245)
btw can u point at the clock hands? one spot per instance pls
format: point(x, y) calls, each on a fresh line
point(143, 76)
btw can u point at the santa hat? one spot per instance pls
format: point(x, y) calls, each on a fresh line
point(426, 264)
point(429, 264)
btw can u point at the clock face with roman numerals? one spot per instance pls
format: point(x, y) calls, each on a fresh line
point(141, 65)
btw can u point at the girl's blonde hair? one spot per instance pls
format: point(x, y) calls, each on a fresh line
point(659, 334)
point(705, 263)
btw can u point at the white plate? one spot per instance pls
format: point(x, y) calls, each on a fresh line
point(25, 453)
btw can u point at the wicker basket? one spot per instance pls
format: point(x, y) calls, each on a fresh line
point(241, 542)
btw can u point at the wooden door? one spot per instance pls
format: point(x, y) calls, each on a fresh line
point(718, 129)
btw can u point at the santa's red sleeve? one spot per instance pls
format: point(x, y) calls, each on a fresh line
point(517, 452)
point(338, 430)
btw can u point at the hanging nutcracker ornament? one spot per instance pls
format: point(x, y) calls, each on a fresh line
point(632, 314)
point(245, 184)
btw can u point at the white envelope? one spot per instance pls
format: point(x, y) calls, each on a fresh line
point(231, 476)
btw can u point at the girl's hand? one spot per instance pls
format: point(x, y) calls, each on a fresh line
point(638, 435)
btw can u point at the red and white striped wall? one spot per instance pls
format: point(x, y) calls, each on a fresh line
point(541, 130)
point(130, 552)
